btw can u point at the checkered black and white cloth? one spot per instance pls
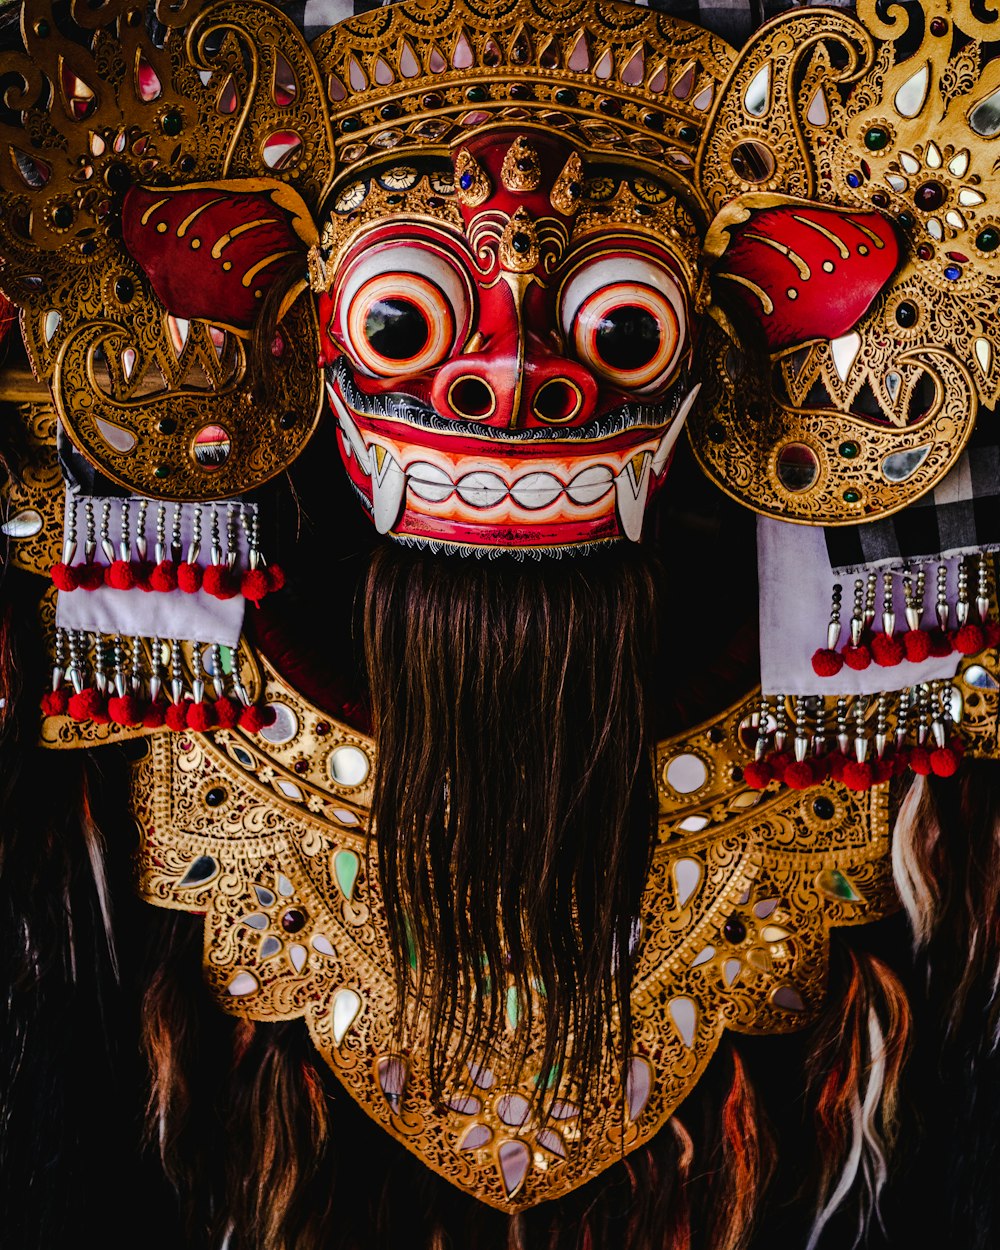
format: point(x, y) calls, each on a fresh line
point(960, 515)
point(734, 20)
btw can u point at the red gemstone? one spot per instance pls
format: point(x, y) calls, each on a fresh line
point(301, 766)
point(939, 27)
point(293, 920)
point(925, 251)
point(929, 196)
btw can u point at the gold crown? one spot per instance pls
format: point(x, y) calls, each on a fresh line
point(620, 80)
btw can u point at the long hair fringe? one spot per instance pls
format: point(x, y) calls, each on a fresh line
point(853, 1076)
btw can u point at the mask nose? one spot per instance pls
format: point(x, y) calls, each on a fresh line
point(508, 387)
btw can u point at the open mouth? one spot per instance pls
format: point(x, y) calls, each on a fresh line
point(428, 478)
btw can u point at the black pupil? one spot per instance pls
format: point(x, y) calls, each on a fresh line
point(628, 337)
point(396, 328)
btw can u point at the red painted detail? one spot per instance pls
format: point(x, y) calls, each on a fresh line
point(199, 248)
point(814, 271)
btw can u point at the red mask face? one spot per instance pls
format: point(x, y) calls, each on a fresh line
point(505, 343)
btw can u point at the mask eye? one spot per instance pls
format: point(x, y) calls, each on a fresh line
point(627, 320)
point(401, 310)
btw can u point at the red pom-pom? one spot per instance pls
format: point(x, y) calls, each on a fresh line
point(155, 715)
point(125, 710)
point(220, 581)
point(189, 578)
point(276, 576)
point(826, 662)
point(64, 577)
point(90, 576)
point(944, 762)
point(227, 712)
point(798, 775)
point(200, 716)
point(164, 577)
point(883, 770)
point(758, 774)
point(120, 575)
point(920, 761)
point(143, 570)
point(256, 584)
point(857, 776)
point(969, 639)
point(55, 702)
point(886, 651)
point(918, 645)
point(175, 717)
point(837, 762)
point(991, 632)
point(87, 705)
point(900, 761)
point(253, 719)
point(858, 657)
point(940, 643)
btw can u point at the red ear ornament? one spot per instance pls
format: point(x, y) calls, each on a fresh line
point(804, 272)
point(213, 252)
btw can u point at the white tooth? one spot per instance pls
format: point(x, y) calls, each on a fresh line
point(481, 489)
point(536, 490)
point(388, 488)
point(666, 446)
point(352, 434)
point(590, 484)
point(428, 481)
point(630, 496)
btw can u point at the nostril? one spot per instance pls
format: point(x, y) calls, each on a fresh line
point(470, 396)
point(557, 400)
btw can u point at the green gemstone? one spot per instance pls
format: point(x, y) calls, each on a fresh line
point(988, 240)
point(851, 496)
point(161, 471)
point(835, 885)
point(876, 138)
point(346, 866)
point(476, 95)
point(171, 123)
point(849, 450)
point(513, 1007)
point(226, 656)
point(63, 216)
point(349, 124)
point(688, 134)
point(565, 96)
point(42, 29)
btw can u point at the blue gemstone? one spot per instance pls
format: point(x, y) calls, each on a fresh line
point(465, 181)
point(854, 180)
point(952, 273)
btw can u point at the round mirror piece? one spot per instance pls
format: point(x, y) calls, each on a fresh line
point(283, 728)
point(212, 446)
point(752, 161)
point(687, 773)
point(797, 466)
point(348, 766)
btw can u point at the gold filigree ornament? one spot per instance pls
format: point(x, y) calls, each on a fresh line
point(266, 836)
point(861, 114)
point(231, 92)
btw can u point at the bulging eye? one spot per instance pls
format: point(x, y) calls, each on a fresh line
point(402, 310)
point(627, 320)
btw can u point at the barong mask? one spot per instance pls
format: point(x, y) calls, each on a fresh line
point(520, 253)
